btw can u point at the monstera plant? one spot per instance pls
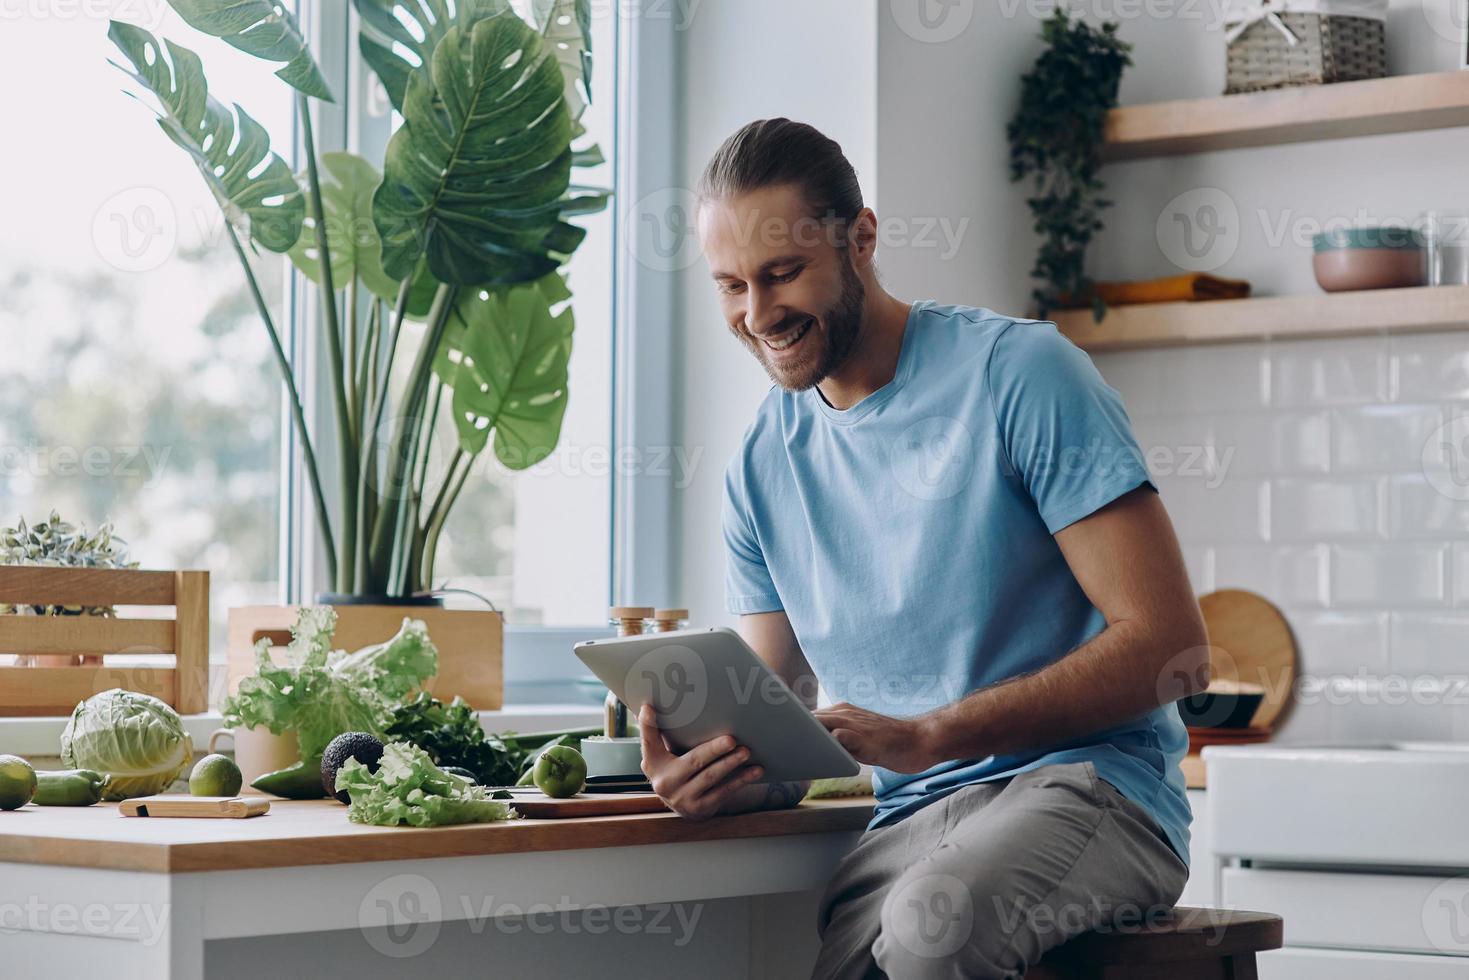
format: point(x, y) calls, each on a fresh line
point(464, 232)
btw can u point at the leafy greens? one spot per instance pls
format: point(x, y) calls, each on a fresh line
point(409, 788)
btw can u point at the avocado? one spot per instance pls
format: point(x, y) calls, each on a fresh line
point(365, 747)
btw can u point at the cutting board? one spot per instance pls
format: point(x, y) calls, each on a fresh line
point(177, 805)
point(1250, 642)
point(539, 806)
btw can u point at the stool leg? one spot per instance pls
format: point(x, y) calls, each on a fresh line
point(1241, 966)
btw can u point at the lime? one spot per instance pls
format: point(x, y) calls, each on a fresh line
point(215, 775)
point(561, 772)
point(17, 782)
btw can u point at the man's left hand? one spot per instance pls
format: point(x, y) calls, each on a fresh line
point(899, 744)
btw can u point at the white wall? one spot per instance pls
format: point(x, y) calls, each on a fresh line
point(744, 60)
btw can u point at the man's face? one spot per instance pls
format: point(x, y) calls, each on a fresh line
point(788, 292)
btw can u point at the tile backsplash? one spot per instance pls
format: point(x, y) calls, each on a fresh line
point(1297, 470)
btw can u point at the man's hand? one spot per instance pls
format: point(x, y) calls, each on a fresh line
point(899, 744)
point(700, 782)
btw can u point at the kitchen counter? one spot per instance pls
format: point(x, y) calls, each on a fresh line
point(306, 893)
point(298, 833)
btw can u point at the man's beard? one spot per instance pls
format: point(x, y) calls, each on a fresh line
point(841, 325)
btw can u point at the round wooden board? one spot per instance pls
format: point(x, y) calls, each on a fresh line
point(1250, 642)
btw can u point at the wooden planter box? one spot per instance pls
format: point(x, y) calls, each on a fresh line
point(471, 644)
point(56, 690)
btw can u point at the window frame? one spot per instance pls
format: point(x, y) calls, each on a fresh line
point(539, 665)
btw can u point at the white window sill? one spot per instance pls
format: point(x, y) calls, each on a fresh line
point(42, 736)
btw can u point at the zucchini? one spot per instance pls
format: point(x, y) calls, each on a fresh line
point(69, 787)
point(301, 781)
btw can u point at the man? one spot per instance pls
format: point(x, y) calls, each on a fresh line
point(941, 514)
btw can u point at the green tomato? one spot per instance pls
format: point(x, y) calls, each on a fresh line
point(561, 772)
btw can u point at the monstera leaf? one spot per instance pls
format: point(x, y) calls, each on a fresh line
point(474, 177)
point(264, 28)
point(254, 187)
point(505, 356)
point(400, 35)
point(347, 186)
point(567, 27)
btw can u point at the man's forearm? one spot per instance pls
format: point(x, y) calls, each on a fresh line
point(1121, 674)
point(766, 796)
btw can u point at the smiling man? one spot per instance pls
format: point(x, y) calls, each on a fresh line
point(940, 514)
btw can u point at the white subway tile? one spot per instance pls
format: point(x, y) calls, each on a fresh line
point(1288, 576)
point(1390, 713)
point(1459, 573)
point(1199, 562)
point(1275, 444)
point(1382, 438)
point(1231, 378)
point(1138, 379)
point(1340, 372)
point(1340, 643)
point(1310, 510)
point(1430, 643)
point(1176, 445)
point(1306, 721)
point(1385, 576)
point(1236, 510)
point(1418, 511)
point(1430, 366)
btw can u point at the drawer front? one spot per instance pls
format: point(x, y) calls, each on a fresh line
point(1331, 964)
point(1401, 913)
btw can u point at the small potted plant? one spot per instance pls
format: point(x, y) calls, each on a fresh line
point(58, 543)
point(1056, 139)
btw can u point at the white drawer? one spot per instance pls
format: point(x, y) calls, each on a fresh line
point(1332, 964)
point(1403, 913)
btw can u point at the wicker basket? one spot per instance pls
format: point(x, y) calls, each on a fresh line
point(1330, 47)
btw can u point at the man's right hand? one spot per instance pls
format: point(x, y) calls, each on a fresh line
point(699, 783)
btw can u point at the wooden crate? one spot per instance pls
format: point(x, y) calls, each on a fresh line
point(56, 690)
point(471, 643)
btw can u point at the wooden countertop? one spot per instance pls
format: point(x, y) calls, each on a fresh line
point(309, 832)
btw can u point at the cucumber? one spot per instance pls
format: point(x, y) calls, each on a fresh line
point(69, 787)
point(301, 781)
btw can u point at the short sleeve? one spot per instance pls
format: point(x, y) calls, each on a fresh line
point(1063, 430)
point(748, 587)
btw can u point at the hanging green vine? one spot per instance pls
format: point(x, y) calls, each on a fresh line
point(1056, 138)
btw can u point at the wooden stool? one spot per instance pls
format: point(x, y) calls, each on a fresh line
point(1193, 944)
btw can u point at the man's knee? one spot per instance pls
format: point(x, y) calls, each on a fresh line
point(936, 923)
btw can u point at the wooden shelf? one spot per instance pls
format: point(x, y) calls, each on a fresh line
point(1421, 309)
point(1404, 103)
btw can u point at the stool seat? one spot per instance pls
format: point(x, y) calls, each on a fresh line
point(1189, 944)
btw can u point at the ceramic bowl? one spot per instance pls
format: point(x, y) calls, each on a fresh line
point(1368, 258)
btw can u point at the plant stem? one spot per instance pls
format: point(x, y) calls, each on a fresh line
point(367, 509)
point(438, 517)
point(297, 415)
point(398, 479)
point(347, 458)
point(428, 438)
point(371, 338)
point(349, 367)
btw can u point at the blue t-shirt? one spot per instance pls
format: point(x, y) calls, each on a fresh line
point(909, 540)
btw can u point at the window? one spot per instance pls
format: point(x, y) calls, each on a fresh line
point(137, 384)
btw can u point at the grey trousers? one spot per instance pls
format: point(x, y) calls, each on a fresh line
point(984, 881)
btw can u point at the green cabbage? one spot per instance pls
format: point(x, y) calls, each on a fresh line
point(136, 741)
point(409, 788)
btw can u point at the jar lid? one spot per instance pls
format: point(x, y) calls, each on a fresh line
point(670, 614)
point(631, 612)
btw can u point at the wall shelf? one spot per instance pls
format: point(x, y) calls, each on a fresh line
point(1421, 309)
point(1403, 103)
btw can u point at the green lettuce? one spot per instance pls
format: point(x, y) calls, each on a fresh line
point(319, 693)
point(409, 788)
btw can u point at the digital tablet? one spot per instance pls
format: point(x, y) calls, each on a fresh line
point(703, 683)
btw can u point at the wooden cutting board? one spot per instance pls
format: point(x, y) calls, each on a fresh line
point(177, 805)
point(539, 806)
point(1251, 643)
